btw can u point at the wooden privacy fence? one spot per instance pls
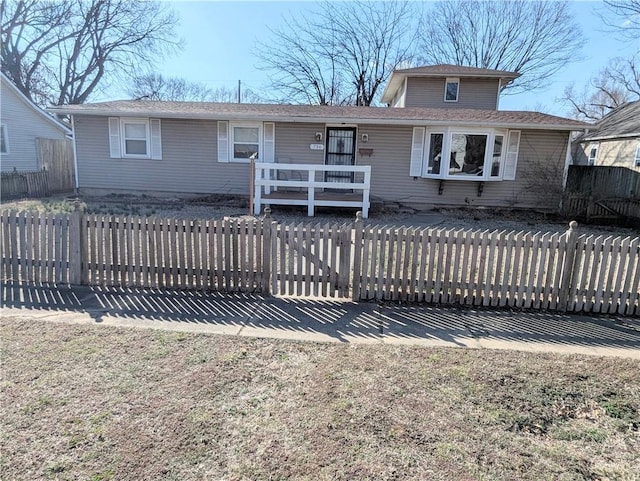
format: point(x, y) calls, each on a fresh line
point(56, 157)
point(602, 193)
point(525, 270)
point(22, 184)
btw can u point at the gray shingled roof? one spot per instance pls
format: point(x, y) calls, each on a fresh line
point(324, 114)
point(457, 71)
point(621, 122)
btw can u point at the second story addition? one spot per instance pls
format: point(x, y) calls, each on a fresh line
point(446, 86)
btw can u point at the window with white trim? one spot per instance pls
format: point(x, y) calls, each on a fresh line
point(4, 140)
point(451, 89)
point(637, 161)
point(466, 154)
point(135, 137)
point(245, 141)
point(593, 154)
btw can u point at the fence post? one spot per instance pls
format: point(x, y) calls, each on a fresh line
point(357, 258)
point(266, 251)
point(568, 265)
point(75, 242)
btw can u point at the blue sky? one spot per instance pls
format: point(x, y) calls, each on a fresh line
point(220, 38)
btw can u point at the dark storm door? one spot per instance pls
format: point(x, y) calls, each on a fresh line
point(341, 150)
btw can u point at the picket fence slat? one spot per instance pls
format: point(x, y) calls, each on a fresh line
point(479, 268)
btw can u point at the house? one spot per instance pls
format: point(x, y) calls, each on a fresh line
point(21, 123)
point(441, 141)
point(615, 140)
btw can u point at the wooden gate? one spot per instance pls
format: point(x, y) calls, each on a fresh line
point(311, 260)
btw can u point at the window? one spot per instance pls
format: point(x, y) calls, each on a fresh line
point(593, 155)
point(637, 161)
point(434, 159)
point(471, 155)
point(245, 141)
point(468, 153)
point(135, 138)
point(4, 140)
point(496, 158)
point(452, 86)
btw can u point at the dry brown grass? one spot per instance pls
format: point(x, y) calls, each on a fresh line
point(100, 403)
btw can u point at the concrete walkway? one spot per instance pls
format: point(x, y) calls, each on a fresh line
point(325, 320)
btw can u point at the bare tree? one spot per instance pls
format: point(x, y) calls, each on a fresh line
point(157, 87)
point(153, 86)
point(341, 53)
point(613, 86)
point(63, 51)
point(534, 38)
point(623, 16)
point(230, 95)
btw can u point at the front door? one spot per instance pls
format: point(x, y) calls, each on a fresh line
point(341, 150)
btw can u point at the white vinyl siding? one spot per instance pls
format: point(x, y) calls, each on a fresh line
point(23, 124)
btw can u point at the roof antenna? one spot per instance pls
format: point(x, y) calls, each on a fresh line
point(239, 84)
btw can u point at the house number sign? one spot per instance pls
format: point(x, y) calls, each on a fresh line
point(316, 146)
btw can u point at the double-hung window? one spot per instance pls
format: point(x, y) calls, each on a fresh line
point(135, 137)
point(451, 89)
point(245, 141)
point(4, 140)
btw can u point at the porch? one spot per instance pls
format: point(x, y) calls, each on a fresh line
point(307, 184)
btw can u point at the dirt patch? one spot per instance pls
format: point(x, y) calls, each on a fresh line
point(226, 206)
point(96, 402)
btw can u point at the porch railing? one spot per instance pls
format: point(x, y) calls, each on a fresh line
point(269, 186)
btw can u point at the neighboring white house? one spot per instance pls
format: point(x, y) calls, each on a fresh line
point(615, 140)
point(21, 123)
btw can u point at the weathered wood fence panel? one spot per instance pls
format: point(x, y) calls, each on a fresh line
point(602, 193)
point(476, 268)
point(55, 156)
point(24, 184)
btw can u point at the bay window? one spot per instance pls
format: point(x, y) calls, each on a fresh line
point(465, 154)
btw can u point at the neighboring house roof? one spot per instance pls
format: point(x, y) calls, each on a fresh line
point(619, 123)
point(444, 70)
point(324, 114)
point(6, 83)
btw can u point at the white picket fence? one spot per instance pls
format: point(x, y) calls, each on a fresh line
point(477, 268)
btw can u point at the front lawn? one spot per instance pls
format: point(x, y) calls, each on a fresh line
point(100, 403)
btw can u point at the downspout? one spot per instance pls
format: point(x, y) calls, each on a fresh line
point(75, 153)
point(499, 92)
